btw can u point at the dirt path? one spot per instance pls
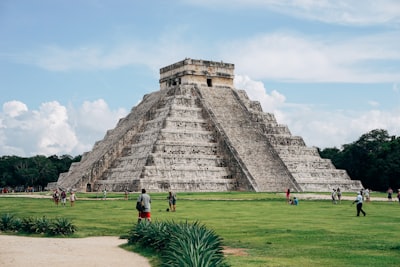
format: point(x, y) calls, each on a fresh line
point(18, 251)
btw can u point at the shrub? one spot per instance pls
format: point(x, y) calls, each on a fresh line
point(6, 222)
point(62, 226)
point(58, 226)
point(181, 244)
point(42, 225)
point(28, 225)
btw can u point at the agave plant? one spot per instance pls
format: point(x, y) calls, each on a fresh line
point(6, 222)
point(194, 245)
point(28, 225)
point(62, 226)
point(42, 225)
point(181, 244)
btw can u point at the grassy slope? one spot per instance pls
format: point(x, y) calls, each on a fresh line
point(315, 233)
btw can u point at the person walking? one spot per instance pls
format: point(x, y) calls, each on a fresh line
point(359, 201)
point(145, 200)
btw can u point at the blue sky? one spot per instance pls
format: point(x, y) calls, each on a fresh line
point(330, 70)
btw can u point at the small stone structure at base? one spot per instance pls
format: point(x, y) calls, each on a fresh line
point(200, 134)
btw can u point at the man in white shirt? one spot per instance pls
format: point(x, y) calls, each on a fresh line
point(359, 201)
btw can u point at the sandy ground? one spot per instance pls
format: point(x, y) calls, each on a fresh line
point(89, 252)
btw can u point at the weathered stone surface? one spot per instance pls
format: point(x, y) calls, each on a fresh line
point(198, 133)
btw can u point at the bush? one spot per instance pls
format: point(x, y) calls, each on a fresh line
point(180, 244)
point(28, 225)
point(43, 225)
point(6, 222)
point(62, 226)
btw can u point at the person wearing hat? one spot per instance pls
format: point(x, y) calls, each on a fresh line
point(359, 201)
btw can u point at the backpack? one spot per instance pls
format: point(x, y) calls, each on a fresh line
point(139, 205)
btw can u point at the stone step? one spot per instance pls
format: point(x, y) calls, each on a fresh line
point(186, 160)
point(188, 136)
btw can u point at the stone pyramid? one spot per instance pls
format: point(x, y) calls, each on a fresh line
point(199, 133)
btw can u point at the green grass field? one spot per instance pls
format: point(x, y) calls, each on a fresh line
point(262, 226)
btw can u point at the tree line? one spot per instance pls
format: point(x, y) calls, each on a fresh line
point(374, 159)
point(36, 172)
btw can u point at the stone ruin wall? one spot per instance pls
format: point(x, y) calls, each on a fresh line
point(312, 172)
point(201, 135)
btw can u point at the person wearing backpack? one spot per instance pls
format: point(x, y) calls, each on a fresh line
point(143, 205)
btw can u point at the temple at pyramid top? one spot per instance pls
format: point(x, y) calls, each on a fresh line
point(201, 72)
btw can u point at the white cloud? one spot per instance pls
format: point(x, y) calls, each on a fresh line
point(54, 129)
point(256, 91)
point(166, 49)
point(356, 12)
point(14, 108)
point(319, 127)
point(292, 57)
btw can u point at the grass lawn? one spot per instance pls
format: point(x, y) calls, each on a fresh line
point(266, 230)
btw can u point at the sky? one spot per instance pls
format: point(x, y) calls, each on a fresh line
point(69, 70)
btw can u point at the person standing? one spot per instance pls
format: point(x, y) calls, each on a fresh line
point(398, 195)
point(339, 195)
point(104, 194)
point(359, 201)
point(288, 195)
point(172, 201)
point(56, 197)
point(366, 193)
point(72, 198)
point(145, 199)
point(390, 193)
point(63, 198)
point(126, 194)
point(333, 196)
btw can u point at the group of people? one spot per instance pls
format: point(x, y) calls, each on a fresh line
point(390, 194)
point(289, 200)
point(336, 196)
point(62, 196)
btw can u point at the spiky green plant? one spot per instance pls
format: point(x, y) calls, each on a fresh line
point(28, 225)
point(6, 222)
point(62, 226)
point(42, 225)
point(194, 245)
point(181, 244)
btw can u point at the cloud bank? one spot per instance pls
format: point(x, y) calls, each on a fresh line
point(57, 129)
point(319, 127)
point(54, 129)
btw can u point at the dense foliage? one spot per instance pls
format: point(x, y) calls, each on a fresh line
point(35, 171)
point(180, 244)
point(39, 225)
point(374, 159)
